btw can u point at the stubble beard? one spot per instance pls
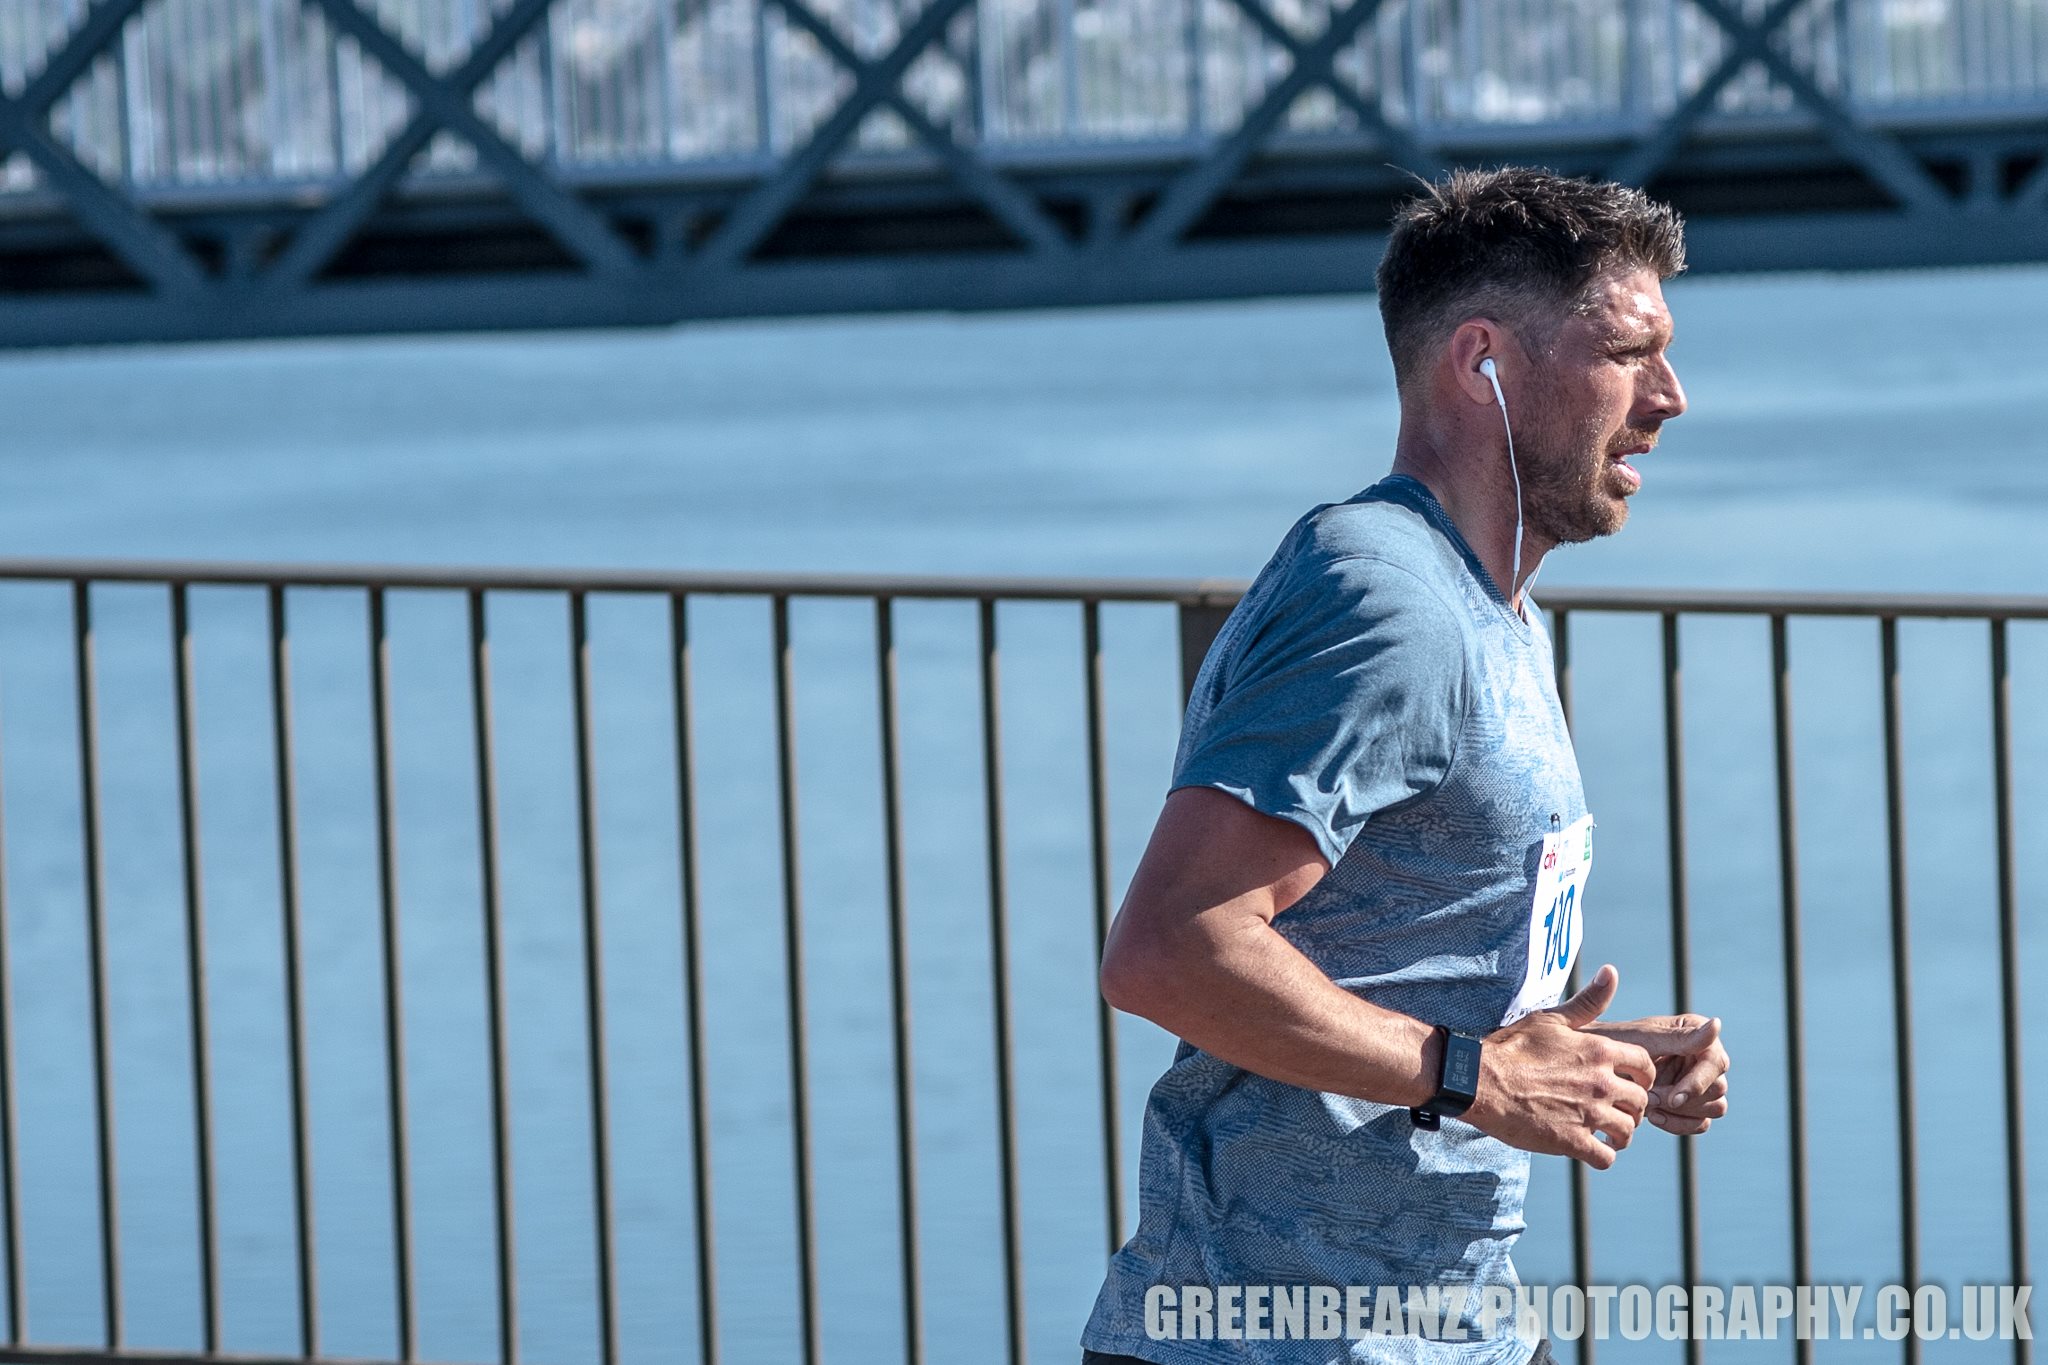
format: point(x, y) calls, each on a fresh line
point(1571, 492)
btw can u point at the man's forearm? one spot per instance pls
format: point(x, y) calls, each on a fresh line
point(1237, 989)
point(1194, 949)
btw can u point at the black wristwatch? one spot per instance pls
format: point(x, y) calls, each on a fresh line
point(1457, 1081)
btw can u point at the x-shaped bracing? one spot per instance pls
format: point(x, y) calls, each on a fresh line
point(1405, 149)
point(1191, 193)
point(1881, 156)
point(1017, 210)
point(448, 102)
point(443, 102)
point(143, 244)
point(875, 84)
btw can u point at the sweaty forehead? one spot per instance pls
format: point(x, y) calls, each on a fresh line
point(1628, 307)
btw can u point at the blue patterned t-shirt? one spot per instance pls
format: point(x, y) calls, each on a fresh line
point(1375, 688)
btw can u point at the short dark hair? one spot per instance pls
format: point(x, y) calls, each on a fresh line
point(1518, 243)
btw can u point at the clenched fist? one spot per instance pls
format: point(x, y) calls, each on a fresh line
point(1550, 1083)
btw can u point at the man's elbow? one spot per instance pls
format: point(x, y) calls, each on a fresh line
point(1136, 975)
point(1119, 982)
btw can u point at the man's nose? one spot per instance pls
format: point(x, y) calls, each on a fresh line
point(1664, 396)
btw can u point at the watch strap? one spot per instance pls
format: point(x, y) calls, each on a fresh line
point(1457, 1084)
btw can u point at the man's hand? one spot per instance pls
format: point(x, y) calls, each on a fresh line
point(1691, 1089)
point(1549, 1083)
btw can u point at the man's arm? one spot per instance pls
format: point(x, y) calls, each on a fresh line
point(1194, 950)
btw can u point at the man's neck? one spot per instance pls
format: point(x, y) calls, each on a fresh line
point(1481, 507)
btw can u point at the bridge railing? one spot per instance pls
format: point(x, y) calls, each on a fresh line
point(211, 95)
point(108, 670)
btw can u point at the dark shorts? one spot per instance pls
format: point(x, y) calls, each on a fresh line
point(1542, 1357)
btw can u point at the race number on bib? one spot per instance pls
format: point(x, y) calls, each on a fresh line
point(1554, 917)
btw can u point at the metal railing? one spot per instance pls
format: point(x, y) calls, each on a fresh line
point(1198, 608)
point(220, 94)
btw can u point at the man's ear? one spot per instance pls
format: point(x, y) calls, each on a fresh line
point(1478, 339)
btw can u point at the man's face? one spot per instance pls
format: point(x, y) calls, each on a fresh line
point(1602, 388)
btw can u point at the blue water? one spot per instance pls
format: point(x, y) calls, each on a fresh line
point(1871, 432)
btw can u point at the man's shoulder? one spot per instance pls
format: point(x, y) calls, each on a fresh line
point(1378, 524)
point(1375, 554)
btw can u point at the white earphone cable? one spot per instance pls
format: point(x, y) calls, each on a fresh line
point(1514, 581)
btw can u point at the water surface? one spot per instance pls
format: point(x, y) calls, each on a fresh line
point(1877, 432)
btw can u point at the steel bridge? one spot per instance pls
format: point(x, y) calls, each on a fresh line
point(240, 168)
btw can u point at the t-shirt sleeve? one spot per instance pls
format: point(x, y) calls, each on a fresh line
point(1347, 697)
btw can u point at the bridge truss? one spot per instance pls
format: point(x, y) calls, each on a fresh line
point(183, 169)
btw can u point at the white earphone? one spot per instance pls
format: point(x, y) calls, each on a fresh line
point(1491, 371)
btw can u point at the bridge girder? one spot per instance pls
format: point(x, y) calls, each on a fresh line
point(956, 223)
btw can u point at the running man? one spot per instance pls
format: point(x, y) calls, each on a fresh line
point(1359, 907)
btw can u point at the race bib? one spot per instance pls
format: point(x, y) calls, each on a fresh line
point(1554, 917)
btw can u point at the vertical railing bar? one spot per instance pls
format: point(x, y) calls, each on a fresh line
point(1795, 999)
point(671, 93)
point(1674, 50)
point(609, 116)
point(10, 1168)
point(394, 978)
point(124, 126)
point(338, 130)
point(1681, 943)
point(695, 1022)
point(2008, 961)
point(225, 90)
point(593, 979)
point(1635, 94)
point(195, 962)
point(972, 68)
point(294, 974)
point(504, 1240)
point(899, 975)
point(986, 92)
point(999, 960)
point(792, 943)
point(764, 86)
point(1902, 998)
point(1070, 71)
point(1105, 1017)
point(1411, 69)
point(96, 930)
point(556, 108)
point(278, 105)
point(1581, 1196)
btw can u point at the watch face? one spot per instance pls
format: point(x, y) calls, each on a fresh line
point(1461, 1065)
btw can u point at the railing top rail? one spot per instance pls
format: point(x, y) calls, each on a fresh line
point(1213, 592)
point(1764, 602)
point(1191, 591)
